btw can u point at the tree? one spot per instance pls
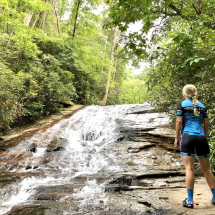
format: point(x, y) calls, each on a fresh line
point(114, 40)
point(133, 90)
point(157, 17)
point(47, 58)
point(77, 4)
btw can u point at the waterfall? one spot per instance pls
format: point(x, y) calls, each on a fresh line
point(80, 146)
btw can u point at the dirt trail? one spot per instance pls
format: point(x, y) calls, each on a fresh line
point(202, 195)
point(42, 123)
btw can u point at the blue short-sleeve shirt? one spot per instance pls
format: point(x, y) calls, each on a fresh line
point(192, 124)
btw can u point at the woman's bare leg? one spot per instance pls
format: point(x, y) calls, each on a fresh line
point(189, 166)
point(204, 163)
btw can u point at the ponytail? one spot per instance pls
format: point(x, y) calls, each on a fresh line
point(194, 100)
point(190, 91)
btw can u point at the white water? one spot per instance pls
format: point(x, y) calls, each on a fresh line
point(85, 137)
point(94, 192)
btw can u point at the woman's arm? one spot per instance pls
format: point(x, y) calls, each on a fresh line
point(206, 125)
point(179, 121)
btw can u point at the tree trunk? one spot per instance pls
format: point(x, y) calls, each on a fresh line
point(117, 93)
point(34, 20)
point(27, 19)
point(115, 71)
point(42, 20)
point(104, 100)
point(197, 4)
point(104, 54)
point(133, 94)
point(56, 18)
point(76, 17)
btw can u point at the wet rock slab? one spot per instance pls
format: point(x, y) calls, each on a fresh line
point(150, 169)
point(136, 147)
point(53, 193)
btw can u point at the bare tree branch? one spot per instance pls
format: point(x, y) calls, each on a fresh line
point(175, 9)
point(196, 10)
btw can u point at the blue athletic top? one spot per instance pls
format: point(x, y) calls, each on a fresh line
point(192, 124)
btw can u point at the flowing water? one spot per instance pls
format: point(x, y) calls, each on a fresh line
point(79, 149)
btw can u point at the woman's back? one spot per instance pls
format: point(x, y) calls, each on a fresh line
point(192, 124)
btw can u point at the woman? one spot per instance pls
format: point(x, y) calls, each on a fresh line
point(191, 114)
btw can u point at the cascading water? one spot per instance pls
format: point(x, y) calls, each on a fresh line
point(79, 146)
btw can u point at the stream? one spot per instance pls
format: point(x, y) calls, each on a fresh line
point(90, 163)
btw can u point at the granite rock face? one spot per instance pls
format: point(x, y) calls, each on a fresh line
point(103, 160)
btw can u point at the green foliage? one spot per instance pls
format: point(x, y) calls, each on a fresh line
point(13, 12)
point(42, 64)
point(32, 82)
point(11, 90)
point(133, 90)
point(39, 80)
point(50, 85)
point(159, 18)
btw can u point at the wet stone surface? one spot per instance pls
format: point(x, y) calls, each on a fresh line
point(102, 160)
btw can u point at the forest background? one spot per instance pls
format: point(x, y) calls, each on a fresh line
point(52, 51)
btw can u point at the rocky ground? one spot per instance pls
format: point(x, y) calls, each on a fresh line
point(152, 180)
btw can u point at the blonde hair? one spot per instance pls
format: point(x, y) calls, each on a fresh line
point(190, 91)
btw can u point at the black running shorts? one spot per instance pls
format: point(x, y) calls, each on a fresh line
point(191, 142)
